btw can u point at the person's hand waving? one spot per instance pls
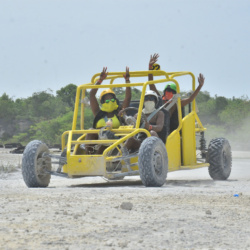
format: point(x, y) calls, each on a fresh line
point(103, 75)
point(153, 60)
point(127, 75)
point(201, 80)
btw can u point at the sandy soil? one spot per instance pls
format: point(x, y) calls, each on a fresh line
point(191, 211)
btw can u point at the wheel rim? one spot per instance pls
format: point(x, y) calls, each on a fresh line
point(42, 167)
point(157, 163)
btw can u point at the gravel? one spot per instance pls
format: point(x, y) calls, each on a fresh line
point(191, 211)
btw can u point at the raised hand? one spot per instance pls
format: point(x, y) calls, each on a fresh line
point(127, 75)
point(201, 80)
point(103, 74)
point(153, 59)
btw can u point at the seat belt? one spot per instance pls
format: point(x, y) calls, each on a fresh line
point(171, 103)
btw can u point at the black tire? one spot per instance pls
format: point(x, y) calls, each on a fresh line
point(153, 162)
point(219, 157)
point(34, 166)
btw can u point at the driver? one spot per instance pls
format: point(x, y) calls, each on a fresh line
point(107, 113)
point(155, 126)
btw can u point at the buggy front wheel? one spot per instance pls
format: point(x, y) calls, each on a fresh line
point(153, 162)
point(36, 167)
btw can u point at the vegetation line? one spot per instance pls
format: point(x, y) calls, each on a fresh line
point(45, 116)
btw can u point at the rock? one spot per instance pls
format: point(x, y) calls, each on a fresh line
point(109, 243)
point(123, 244)
point(126, 205)
point(208, 212)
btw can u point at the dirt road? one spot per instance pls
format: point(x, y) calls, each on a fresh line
point(191, 211)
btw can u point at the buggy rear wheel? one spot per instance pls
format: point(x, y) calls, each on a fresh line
point(220, 159)
point(153, 162)
point(35, 167)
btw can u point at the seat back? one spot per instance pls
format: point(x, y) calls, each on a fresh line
point(166, 127)
point(174, 122)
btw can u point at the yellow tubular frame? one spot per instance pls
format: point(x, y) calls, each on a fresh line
point(128, 132)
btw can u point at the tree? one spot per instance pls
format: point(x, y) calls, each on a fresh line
point(220, 103)
point(43, 105)
point(7, 108)
point(203, 96)
point(120, 93)
point(68, 94)
point(235, 112)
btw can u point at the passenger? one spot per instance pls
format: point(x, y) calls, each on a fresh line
point(170, 88)
point(107, 114)
point(155, 126)
point(169, 91)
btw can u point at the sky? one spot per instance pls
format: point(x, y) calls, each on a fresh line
point(47, 44)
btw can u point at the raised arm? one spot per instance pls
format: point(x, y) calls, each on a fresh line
point(127, 99)
point(186, 101)
point(93, 101)
point(153, 59)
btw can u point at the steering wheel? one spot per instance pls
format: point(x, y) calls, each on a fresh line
point(129, 121)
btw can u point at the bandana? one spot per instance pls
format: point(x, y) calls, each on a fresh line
point(109, 107)
point(167, 96)
point(149, 107)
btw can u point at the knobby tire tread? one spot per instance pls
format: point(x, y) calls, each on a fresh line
point(215, 158)
point(28, 164)
point(146, 170)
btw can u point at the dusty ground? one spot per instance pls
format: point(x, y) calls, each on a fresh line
point(191, 211)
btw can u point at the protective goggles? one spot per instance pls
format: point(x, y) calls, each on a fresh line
point(112, 100)
point(149, 98)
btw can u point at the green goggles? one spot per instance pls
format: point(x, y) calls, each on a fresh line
point(112, 100)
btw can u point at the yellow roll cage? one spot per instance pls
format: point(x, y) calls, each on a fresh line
point(112, 76)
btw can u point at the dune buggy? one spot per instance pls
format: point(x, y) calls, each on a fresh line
point(155, 158)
